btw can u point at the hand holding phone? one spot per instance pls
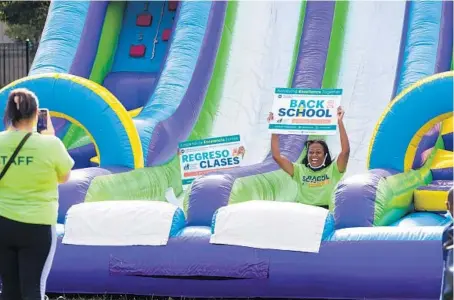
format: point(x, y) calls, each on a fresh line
point(44, 125)
point(42, 120)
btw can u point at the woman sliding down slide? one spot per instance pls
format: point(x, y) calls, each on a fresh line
point(316, 175)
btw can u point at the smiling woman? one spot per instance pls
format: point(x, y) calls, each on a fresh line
point(318, 174)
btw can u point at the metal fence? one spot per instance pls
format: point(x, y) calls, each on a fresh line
point(15, 61)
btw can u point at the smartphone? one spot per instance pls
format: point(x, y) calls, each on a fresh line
point(42, 119)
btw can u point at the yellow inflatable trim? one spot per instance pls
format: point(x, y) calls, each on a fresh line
point(413, 146)
point(447, 126)
point(390, 107)
point(442, 160)
point(429, 200)
point(133, 113)
point(74, 121)
point(116, 106)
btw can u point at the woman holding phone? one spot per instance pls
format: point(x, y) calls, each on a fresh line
point(32, 165)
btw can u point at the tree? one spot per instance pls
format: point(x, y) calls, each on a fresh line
point(24, 19)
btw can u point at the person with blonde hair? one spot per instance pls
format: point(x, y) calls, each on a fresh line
point(32, 165)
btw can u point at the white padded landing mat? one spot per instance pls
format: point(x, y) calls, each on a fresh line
point(271, 225)
point(119, 223)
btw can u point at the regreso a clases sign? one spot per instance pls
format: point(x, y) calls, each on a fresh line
point(200, 157)
point(305, 111)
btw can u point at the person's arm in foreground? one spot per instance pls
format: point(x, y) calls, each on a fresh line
point(64, 162)
point(342, 159)
point(282, 161)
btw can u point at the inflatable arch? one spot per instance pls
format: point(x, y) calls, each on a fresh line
point(93, 108)
point(405, 121)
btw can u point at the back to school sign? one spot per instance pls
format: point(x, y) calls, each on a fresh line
point(305, 111)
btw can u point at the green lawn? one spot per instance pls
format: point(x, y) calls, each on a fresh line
point(105, 297)
point(119, 297)
point(110, 297)
point(130, 297)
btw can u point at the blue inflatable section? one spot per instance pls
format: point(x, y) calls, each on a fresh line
point(60, 37)
point(421, 42)
point(409, 108)
point(178, 222)
point(177, 72)
point(423, 219)
point(80, 103)
point(389, 234)
point(129, 36)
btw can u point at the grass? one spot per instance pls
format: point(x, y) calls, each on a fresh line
point(118, 297)
point(132, 297)
point(126, 297)
point(105, 297)
point(110, 297)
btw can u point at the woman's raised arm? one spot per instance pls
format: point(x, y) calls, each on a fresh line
point(342, 159)
point(282, 161)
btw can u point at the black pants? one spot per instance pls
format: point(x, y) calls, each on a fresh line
point(26, 254)
point(446, 282)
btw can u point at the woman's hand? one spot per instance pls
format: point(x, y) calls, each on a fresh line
point(48, 132)
point(270, 117)
point(282, 161)
point(340, 114)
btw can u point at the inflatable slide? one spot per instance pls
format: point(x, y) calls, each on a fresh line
point(127, 81)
